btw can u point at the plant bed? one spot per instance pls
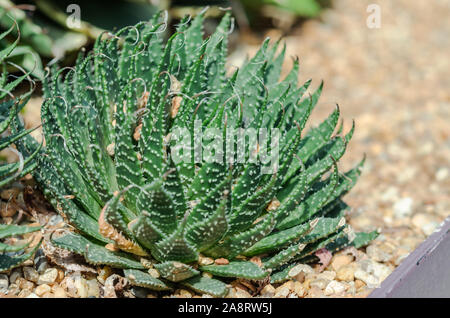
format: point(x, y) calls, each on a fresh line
point(425, 272)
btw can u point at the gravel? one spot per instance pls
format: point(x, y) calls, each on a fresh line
point(394, 82)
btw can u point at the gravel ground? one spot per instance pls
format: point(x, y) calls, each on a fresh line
point(394, 82)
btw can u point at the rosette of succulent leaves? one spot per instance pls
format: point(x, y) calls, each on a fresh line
point(109, 165)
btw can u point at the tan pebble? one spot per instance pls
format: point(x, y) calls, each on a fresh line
point(48, 277)
point(207, 275)
point(268, 291)
point(154, 273)
point(299, 289)
point(366, 277)
point(59, 292)
point(152, 295)
point(340, 260)
point(81, 287)
point(30, 274)
point(48, 295)
point(300, 277)
point(29, 262)
point(231, 293)
point(378, 254)
point(282, 292)
point(315, 292)
point(240, 293)
point(146, 263)
point(306, 269)
point(289, 284)
point(93, 288)
point(42, 289)
point(24, 293)
point(334, 287)
point(205, 260)
point(329, 275)
point(13, 288)
point(273, 205)
point(185, 294)
point(68, 284)
point(300, 272)
point(359, 283)
point(363, 292)
point(307, 281)
point(346, 273)
point(221, 261)
point(320, 283)
point(24, 284)
point(256, 260)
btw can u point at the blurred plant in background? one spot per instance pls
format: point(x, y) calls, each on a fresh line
point(47, 36)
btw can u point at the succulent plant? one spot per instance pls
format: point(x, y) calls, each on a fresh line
point(109, 165)
point(10, 255)
point(14, 255)
point(9, 108)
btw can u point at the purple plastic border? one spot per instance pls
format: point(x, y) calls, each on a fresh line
point(424, 273)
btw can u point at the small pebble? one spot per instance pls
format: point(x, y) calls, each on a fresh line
point(328, 275)
point(93, 288)
point(334, 287)
point(367, 278)
point(377, 254)
point(315, 292)
point(24, 293)
point(4, 283)
point(30, 274)
point(359, 283)
point(154, 273)
point(48, 277)
point(299, 289)
point(81, 287)
point(205, 260)
point(42, 289)
point(320, 283)
point(24, 284)
point(59, 292)
point(185, 293)
point(282, 292)
point(16, 273)
point(340, 260)
point(403, 207)
point(40, 261)
point(221, 261)
point(299, 272)
point(268, 291)
point(346, 273)
point(240, 293)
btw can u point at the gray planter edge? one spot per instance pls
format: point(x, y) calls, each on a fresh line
point(424, 273)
